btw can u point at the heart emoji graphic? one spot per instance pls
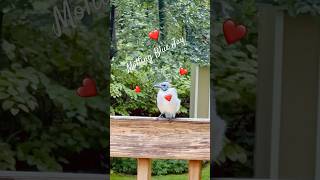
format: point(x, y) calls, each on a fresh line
point(168, 97)
point(233, 32)
point(137, 90)
point(183, 71)
point(88, 88)
point(154, 35)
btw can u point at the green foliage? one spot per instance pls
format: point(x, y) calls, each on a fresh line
point(124, 165)
point(159, 167)
point(205, 175)
point(235, 76)
point(296, 7)
point(43, 120)
point(125, 101)
point(139, 20)
point(164, 167)
point(142, 18)
point(7, 159)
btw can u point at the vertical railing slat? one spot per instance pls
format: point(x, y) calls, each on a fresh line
point(195, 169)
point(144, 169)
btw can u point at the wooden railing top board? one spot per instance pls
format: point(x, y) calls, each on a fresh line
point(148, 137)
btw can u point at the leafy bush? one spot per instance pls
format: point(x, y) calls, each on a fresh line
point(125, 101)
point(159, 167)
point(163, 167)
point(235, 76)
point(124, 165)
point(296, 7)
point(43, 122)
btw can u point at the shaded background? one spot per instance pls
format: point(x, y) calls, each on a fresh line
point(44, 125)
point(268, 101)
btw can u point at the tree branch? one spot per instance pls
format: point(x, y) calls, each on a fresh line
point(161, 6)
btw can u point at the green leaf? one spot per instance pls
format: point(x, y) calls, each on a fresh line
point(7, 159)
point(7, 104)
point(23, 107)
point(4, 83)
point(32, 105)
point(9, 49)
point(14, 111)
point(4, 95)
point(12, 91)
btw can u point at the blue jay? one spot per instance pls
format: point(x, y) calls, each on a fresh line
point(167, 100)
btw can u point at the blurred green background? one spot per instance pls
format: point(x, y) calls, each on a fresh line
point(235, 75)
point(44, 125)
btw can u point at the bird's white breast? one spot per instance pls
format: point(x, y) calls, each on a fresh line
point(166, 106)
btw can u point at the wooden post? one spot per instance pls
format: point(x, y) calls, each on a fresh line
point(144, 169)
point(200, 92)
point(195, 169)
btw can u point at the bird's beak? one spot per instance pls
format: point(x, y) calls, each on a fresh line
point(157, 86)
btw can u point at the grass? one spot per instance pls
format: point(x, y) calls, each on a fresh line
point(205, 175)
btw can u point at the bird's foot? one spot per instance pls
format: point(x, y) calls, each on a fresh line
point(170, 119)
point(160, 117)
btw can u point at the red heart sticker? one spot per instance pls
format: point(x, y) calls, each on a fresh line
point(137, 90)
point(233, 32)
point(154, 35)
point(88, 88)
point(168, 97)
point(183, 71)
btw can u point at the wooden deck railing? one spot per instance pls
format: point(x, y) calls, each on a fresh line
point(146, 138)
